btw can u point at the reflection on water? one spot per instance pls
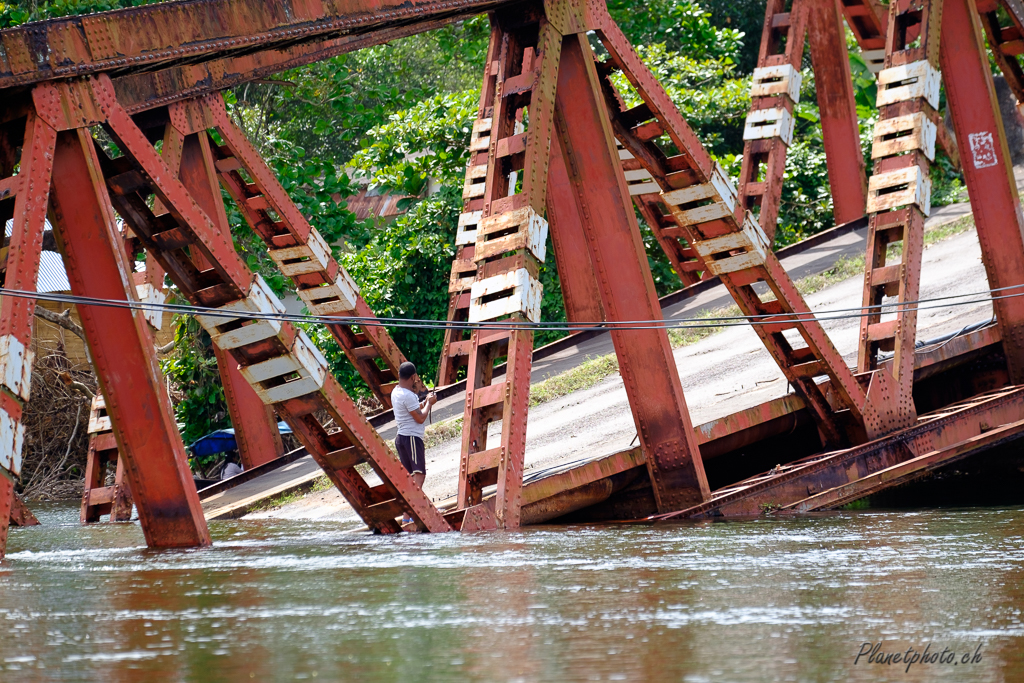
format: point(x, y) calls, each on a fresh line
point(790, 599)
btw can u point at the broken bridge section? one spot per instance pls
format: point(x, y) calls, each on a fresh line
point(553, 149)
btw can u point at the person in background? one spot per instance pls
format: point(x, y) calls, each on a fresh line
point(231, 466)
point(411, 415)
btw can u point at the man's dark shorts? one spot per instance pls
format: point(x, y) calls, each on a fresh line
point(412, 453)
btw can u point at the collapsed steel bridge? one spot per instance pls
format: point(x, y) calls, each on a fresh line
point(154, 74)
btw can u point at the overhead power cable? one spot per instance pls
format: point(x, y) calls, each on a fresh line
point(953, 300)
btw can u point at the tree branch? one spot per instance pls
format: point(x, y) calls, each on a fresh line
point(70, 382)
point(61, 320)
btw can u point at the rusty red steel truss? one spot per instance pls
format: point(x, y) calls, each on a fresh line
point(555, 152)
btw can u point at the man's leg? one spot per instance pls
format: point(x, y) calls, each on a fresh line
point(407, 455)
point(419, 460)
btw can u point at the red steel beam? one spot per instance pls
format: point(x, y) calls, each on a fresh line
point(576, 273)
point(121, 346)
point(838, 108)
point(940, 437)
point(31, 191)
point(908, 470)
point(987, 170)
point(139, 38)
point(1006, 42)
point(627, 289)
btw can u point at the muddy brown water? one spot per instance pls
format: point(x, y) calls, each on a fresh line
point(772, 599)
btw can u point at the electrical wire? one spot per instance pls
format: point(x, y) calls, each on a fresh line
point(420, 323)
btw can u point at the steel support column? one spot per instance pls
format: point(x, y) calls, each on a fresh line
point(971, 98)
point(902, 149)
point(457, 342)
point(627, 289)
point(833, 86)
point(121, 346)
point(31, 189)
point(511, 240)
point(576, 273)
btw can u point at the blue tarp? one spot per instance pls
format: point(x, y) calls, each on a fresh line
point(224, 440)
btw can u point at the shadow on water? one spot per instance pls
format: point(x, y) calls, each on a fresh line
point(766, 599)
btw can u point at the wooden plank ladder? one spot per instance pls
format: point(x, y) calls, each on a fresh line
point(279, 360)
point(455, 352)
point(98, 498)
point(510, 243)
point(774, 92)
point(297, 248)
point(899, 195)
point(704, 204)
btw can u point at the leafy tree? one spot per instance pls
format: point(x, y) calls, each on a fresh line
point(681, 25)
point(199, 403)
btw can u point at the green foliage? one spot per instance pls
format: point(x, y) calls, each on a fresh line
point(200, 405)
point(403, 271)
point(327, 107)
point(428, 140)
point(677, 24)
point(947, 183)
point(743, 16)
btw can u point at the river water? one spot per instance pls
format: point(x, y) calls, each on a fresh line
point(778, 599)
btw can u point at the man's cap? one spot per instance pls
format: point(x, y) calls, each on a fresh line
point(406, 370)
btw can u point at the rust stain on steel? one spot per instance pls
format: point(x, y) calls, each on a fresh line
point(908, 470)
point(927, 363)
point(751, 417)
point(953, 431)
point(20, 514)
point(576, 477)
point(986, 165)
point(138, 38)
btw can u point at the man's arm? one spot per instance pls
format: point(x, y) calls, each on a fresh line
point(423, 410)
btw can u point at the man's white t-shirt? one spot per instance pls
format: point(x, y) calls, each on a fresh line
point(403, 401)
point(230, 470)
